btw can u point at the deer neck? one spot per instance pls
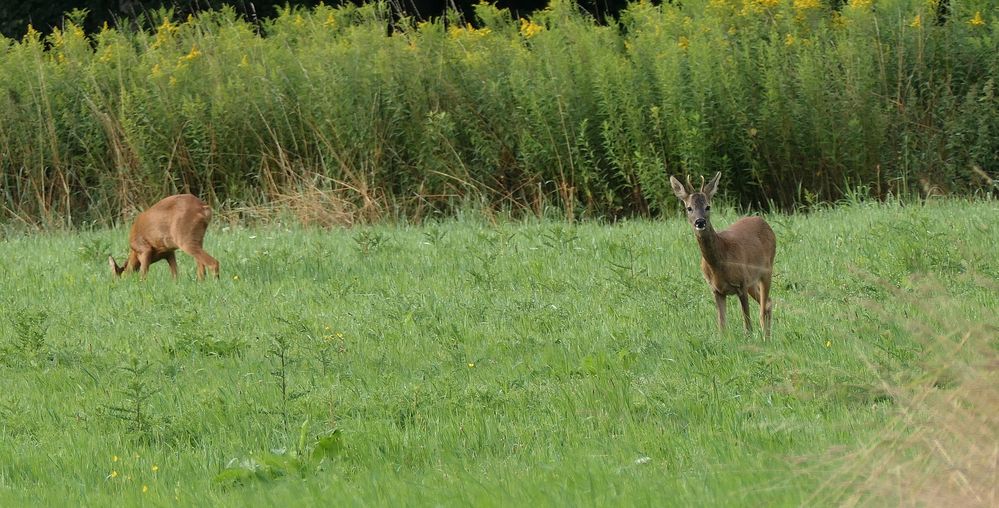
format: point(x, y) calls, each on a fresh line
point(709, 242)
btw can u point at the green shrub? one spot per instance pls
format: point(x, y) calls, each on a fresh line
point(795, 100)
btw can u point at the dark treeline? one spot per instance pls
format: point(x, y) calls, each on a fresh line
point(43, 15)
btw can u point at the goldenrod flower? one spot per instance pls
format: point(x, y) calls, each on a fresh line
point(802, 5)
point(917, 21)
point(977, 19)
point(860, 4)
point(167, 27)
point(31, 34)
point(56, 37)
point(114, 474)
point(529, 28)
point(195, 53)
point(330, 21)
point(789, 40)
point(683, 42)
point(768, 3)
point(458, 31)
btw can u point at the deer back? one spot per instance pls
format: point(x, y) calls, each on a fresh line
point(173, 222)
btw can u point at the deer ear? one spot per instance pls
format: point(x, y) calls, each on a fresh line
point(712, 186)
point(678, 188)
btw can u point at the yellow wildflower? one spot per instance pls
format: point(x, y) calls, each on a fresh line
point(56, 37)
point(155, 468)
point(789, 40)
point(768, 3)
point(459, 31)
point(802, 5)
point(977, 19)
point(167, 27)
point(860, 4)
point(330, 21)
point(145, 488)
point(299, 21)
point(683, 42)
point(195, 53)
point(164, 33)
point(828, 343)
point(114, 458)
point(529, 28)
point(154, 72)
point(916, 21)
point(31, 34)
point(106, 55)
point(173, 81)
point(114, 474)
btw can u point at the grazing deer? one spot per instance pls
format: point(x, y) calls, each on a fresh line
point(737, 261)
point(176, 222)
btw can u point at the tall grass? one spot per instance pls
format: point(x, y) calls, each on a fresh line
point(795, 101)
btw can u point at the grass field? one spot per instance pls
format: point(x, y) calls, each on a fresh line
point(471, 363)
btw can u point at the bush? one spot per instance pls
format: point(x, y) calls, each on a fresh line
point(794, 100)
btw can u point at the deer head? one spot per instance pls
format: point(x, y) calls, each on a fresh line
point(697, 204)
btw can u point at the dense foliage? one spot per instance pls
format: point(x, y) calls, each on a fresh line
point(794, 100)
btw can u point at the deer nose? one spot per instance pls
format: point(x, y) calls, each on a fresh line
point(700, 223)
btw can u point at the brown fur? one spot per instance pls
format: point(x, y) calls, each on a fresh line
point(737, 261)
point(175, 222)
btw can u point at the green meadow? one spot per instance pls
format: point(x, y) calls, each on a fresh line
point(475, 362)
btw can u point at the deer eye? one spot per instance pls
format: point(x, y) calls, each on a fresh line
point(707, 208)
point(689, 209)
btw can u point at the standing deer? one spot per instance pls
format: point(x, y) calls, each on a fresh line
point(176, 222)
point(737, 261)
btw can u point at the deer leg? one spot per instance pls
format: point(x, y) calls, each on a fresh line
point(720, 303)
point(766, 307)
point(744, 302)
point(133, 262)
point(204, 259)
point(172, 261)
point(145, 259)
